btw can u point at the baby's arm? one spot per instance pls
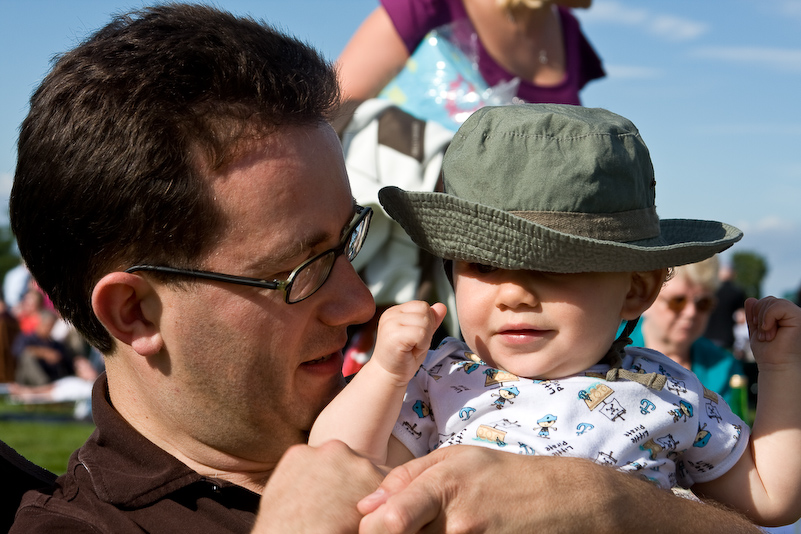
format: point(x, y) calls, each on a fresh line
point(766, 482)
point(364, 413)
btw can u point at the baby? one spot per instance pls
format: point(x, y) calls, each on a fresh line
point(549, 230)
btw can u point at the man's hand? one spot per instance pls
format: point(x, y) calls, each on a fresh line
point(316, 490)
point(475, 489)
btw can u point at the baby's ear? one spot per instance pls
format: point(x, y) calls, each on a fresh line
point(645, 287)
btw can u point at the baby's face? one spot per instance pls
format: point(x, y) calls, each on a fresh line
point(535, 324)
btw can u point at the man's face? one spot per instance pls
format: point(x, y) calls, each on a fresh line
point(249, 372)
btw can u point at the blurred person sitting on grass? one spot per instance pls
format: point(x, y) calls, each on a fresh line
point(40, 358)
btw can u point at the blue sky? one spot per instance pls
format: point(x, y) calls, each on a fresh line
point(713, 87)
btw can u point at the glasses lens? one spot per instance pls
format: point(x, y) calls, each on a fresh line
point(356, 239)
point(309, 279)
point(312, 276)
point(676, 304)
point(704, 304)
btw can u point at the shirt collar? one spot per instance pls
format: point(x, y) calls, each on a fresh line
point(127, 469)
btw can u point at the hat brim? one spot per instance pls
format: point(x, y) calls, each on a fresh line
point(453, 228)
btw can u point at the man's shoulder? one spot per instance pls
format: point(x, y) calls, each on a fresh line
point(49, 511)
point(69, 505)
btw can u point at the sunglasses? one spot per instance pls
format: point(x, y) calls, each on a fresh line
point(702, 304)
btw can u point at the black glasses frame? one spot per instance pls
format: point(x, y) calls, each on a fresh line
point(363, 215)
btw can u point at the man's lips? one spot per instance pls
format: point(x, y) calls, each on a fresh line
point(337, 346)
point(324, 359)
point(333, 360)
point(318, 360)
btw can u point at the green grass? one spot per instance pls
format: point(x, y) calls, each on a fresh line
point(44, 434)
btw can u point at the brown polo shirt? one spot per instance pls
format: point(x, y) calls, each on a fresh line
point(120, 482)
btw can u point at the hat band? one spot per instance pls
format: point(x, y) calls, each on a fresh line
point(634, 225)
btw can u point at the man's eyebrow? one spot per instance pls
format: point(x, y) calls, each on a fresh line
point(307, 243)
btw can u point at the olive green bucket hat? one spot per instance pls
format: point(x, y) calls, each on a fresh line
point(551, 187)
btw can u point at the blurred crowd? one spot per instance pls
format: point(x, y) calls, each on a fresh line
point(44, 359)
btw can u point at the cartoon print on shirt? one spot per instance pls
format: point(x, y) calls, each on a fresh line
point(712, 412)
point(701, 466)
point(412, 429)
point(528, 451)
point(422, 409)
point(551, 386)
point(703, 437)
point(496, 376)
point(595, 394)
point(676, 386)
point(546, 424)
point(491, 434)
point(466, 412)
point(454, 439)
point(604, 458)
point(470, 363)
point(505, 395)
point(632, 466)
point(646, 406)
point(434, 372)
point(658, 427)
point(683, 410)
point(613, 410)
point(656, 445)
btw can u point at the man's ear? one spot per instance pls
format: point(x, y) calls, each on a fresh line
point(129, 308)
point(645, 287)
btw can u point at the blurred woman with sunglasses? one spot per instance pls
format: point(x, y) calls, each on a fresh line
point(675, 323)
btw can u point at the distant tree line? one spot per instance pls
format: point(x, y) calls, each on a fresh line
point(9, 256)
point(750, 269)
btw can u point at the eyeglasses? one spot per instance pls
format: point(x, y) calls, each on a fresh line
point(307, 277)
point(702, 304)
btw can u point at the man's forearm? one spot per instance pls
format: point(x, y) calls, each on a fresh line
point(466, 488)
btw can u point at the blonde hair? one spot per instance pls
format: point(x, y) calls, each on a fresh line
point(703, 273)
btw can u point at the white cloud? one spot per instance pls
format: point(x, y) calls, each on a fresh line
point(664, 26)
point(781, 59)
point(676, 29)
point(773, 223)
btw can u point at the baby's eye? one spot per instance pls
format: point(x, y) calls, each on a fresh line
point(481, 268)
